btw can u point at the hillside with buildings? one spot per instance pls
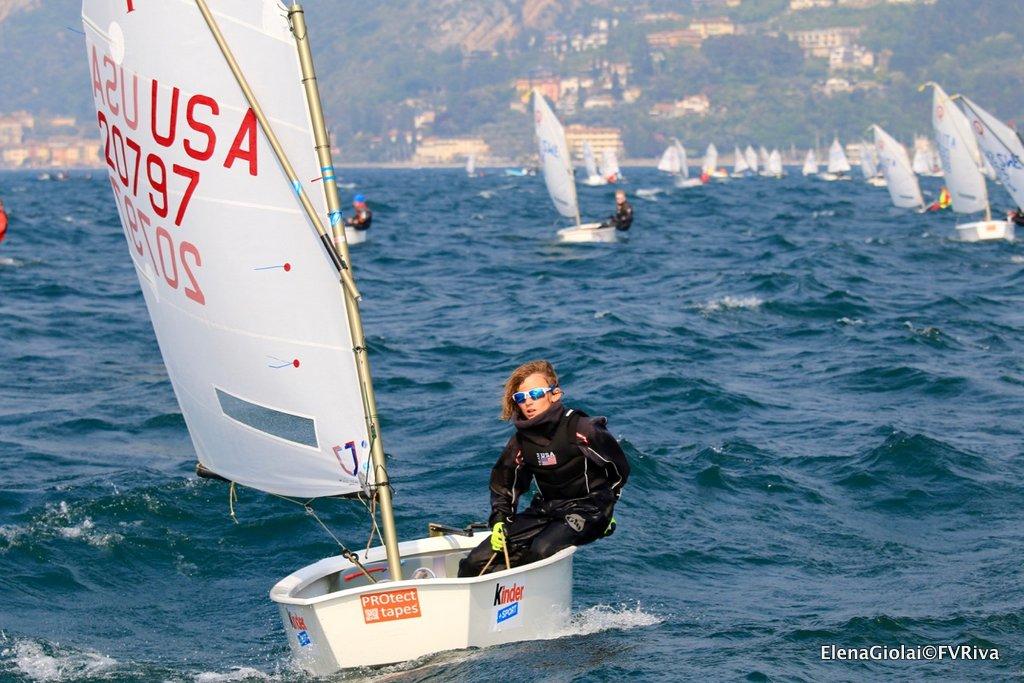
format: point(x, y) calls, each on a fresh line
point(430, 81)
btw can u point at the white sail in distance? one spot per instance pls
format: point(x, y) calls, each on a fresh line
point(837, 161)
point(867, 161)
point(810, 163)
point(958, 153)
point(739, 162)
point(900, 179)
point(684, 163)
point(775, 163)
point(471, 165)
point(751, 157)
point(610, 163)
point(554, 158)
point(243, 296)
point(669, 162)
point(710, 163)
point(588, 159)
point(1001, 147)
point(922, 161)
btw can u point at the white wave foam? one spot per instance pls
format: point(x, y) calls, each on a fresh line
point(606, 618)
point(850, 321)
point(8, 261)
point(51, 663)
point(241, 673)
point(731, 302)
point(600, 314)
point(1017, 258)
point(58, 520)
point(650, 193)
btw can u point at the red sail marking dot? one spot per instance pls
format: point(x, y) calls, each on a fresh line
point(295, 363)
point(287, 267)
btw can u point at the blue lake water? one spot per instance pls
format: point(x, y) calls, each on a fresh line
point(820, 396)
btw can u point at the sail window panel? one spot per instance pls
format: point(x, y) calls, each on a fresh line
point(294, 428)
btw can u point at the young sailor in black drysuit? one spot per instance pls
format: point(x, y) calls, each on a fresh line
point(578, 466)
point(623, 216)
point(362, 217)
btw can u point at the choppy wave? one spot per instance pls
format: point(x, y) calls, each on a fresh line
point(820, 399)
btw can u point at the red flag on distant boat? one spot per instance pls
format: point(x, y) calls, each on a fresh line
point(3, 222)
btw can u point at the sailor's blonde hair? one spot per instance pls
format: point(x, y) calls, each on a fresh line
point(509, 409)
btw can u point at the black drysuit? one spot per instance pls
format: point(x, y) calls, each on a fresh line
point(622, 219)
point(580, 471)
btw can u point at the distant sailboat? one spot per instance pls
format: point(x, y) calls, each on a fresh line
point(669, 162)
point(775, 169)
point(1001, 146)
point(471, 166)
point(751, 157)
point(869, 167)
point(709, 166)
point(961, 163)
point(899, 174)
point(810, 163)
point(594, 177)
point(838, 164)
point(740, 168)
point(610, 166)
point(683, 179)
point(558, 175)
point(762, 161)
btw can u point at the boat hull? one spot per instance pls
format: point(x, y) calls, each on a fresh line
point(331, 627)
point(588, 232)
point(594, 181)
point(985, 230)
point(877, 181)
point(353, 236)
point(686, 183)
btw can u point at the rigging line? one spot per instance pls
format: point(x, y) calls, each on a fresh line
point(345, 552)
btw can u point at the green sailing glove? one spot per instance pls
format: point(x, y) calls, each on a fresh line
point(498, 537)
point(611, 527)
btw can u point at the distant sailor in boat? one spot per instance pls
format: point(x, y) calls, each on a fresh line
point(578, 466)
point(363, 216)
point(622, 219)
point(1016, 217)
point(3, 221)
point(943, 202)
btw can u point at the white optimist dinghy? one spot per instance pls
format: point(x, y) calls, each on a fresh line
point(594, 177)
point(961, 165)
point(1003, 150)
point(838, 164)
point(558, 175)
point(227, 233)
point(900, 179)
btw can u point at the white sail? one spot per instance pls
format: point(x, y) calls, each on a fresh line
point(243, 297)
point(867, 161)
point(739, 162)
point(1001, 147)
point(669, 162)
point(588, 160)
point(751, 157)
point(471, 165)
point(958, 154)
point(762, 159)
point(610, 163)
point(684, 163)
point(899, 174)
point(710, 163)
point(775, 163)
point(922, 161)
point(810, 163)
point(837, 161)
point(554, 158)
